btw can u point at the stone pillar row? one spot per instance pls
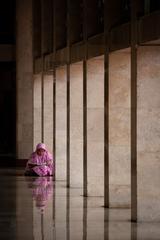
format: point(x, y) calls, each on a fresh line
point(148, 74)
point(29, 120)
point(119, 112)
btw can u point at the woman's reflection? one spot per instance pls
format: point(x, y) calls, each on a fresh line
point(42, 190)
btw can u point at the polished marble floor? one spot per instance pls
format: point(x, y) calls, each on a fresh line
point(35, 208)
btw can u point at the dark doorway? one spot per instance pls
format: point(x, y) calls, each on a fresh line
point(7, 114)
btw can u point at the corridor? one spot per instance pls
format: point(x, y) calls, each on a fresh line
point(37, 208)
point(82, 77)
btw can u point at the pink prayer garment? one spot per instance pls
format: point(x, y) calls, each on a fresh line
point(40, 162)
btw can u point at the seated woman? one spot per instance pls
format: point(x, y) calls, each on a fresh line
point(40, 162)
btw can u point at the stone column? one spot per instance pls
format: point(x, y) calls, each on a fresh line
point(48, 111)
point(61, 127)
point(119, 129)
point(148, 134)
point(24, 68)
point(95, 126)
point(76, 124)
point(37, 116)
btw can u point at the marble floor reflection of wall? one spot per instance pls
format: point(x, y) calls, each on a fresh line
point(41, 209)
point(60, 211)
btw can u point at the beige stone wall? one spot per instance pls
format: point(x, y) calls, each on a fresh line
point(95, 126)
point(119, 129)
point(148, 133)
point(76, 124)
point(37, 104)
point(61, 129)
point(24, 79)
point(48, 111)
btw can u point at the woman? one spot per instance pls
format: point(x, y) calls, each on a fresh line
point(40, 162)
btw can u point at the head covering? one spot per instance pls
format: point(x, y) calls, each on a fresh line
point(41, 146)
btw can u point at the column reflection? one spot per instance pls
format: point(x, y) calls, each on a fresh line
point(134, 231)
point(68, 214)
point(63, 213)
point(106, 224)
point(85, 205)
